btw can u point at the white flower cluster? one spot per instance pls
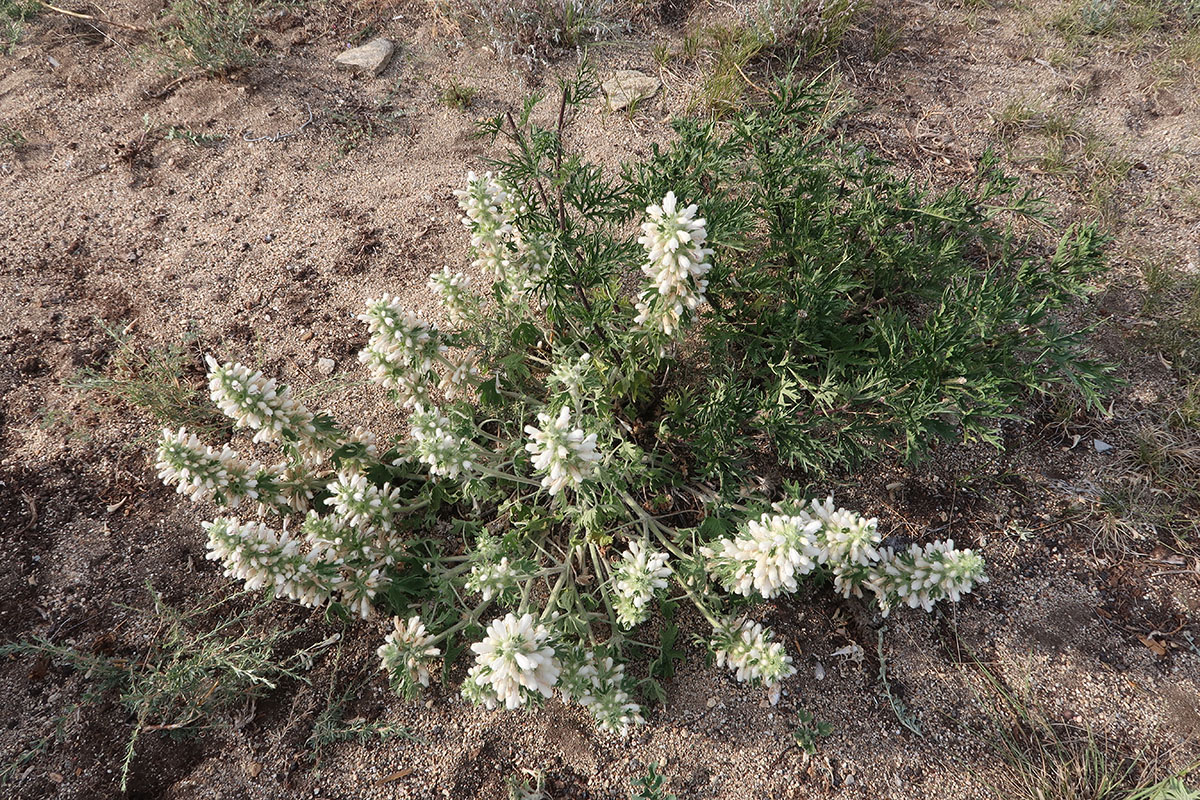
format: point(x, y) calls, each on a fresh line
point(918, 576)
point(572, 376)
point(492, 579)
point(846, 537)
point(402, 350)
point(261, 557)
point(345, 554)
point(518, 260)
point(201, 472)
point(205, 474)
point(361, 506)
point(746, 648)
point(640, 573)
point(674, 240)
point(436, 444)
point(528, 267)
point(488, 215)
point(921, 576)
point(563, 453)
point(605, 695)
point(362, 553)
point(358, 449)
point(461, 376)
point(452, 290)
point(514, 664)
point(408, 653)
point(253, 401)
point(767, 556)
point(295, 483)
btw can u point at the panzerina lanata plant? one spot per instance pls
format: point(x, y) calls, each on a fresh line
point(541, 507)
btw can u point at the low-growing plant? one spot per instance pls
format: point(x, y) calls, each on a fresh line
point(331, 725)
point(13, 14)
point(210, 37)
point(729, 50)
point(153, 379)
point(1133, 24)
point(581, 452)
point(651, 786)
point(193, 137)
point(901, 711)
point(191, 674)
point(11, 138)
point(1046, 759)
point(810, 28)
point(776, 32)
point(531, 32)
point(355, 121)
point(810, 731)
point(458, 95)
point(527, 784)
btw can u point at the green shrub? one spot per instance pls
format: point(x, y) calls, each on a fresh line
point(855, 315)
point(575, 445)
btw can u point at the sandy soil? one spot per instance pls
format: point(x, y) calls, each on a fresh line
point(264, 251)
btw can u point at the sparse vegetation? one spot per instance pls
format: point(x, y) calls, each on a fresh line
point(332, 726)
point(528, 784)
point(1085, 162)
point(1169, 28)
point(806, 28)
point(10, 138)
point(652, 786)
point(810, 731)
point(193, 137)
point(727, 51)
point(458, 95)
point(192, 674)
point(855, 321)
point(162, 381)
point(208, 37)
point(532, 32)
point(1172, 304)
point(899, 708)
point(786, 33)
point(1047, 759)
point(13, 15)
point(355, 122)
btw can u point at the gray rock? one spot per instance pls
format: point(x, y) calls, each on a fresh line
point(1102, 446)
point(370, 58)
point(628, 86)
point(325, 366)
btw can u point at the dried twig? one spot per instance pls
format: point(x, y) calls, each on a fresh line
point(90, 17)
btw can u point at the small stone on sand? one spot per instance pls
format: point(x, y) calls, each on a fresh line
point(370, 58)
point(628, 86)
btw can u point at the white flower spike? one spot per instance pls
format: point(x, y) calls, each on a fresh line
point(564, 454)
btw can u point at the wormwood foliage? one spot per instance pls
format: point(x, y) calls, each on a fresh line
point(153, 380)
point(580, 431)
point(212, 37)
point(189, 677)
